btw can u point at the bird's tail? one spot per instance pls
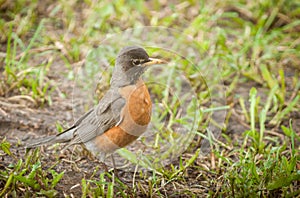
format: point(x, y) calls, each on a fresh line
point(63, 137)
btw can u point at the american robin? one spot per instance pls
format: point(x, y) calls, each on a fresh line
point(121, 116)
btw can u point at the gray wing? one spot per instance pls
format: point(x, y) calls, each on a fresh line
point(99, 119)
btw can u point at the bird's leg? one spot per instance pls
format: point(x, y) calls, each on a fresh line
point(115, 170)
point(101, 158)
point(114, 165)
point(104, 166)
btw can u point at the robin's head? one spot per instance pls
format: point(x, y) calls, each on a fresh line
point(130, 65)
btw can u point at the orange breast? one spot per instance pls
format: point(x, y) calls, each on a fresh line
point(136, 116)
point(113, 139)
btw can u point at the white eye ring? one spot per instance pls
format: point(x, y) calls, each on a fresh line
point(136, 61)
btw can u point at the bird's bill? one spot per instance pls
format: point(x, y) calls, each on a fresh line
point(154, 61)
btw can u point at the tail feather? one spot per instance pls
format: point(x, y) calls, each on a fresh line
point(63, 137)
point(40, 141)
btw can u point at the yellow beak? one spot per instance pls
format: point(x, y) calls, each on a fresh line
point(154, 61)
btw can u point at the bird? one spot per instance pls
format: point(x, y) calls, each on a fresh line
point(121, 115)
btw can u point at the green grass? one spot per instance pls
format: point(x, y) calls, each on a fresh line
point(271, 173)
point(22, 77)
point(27, 176)
point(252, 48)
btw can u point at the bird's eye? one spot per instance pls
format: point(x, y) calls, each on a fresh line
point(136, 61)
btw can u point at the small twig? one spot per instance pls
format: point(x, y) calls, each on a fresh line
point(275, 134)
point(9, 105)
point(72, 162)
point(294, 94)
point(36, 50)
point(17, 98)
point(213, 160)
point(2, 112)
point(239, 119)
point(75, 186)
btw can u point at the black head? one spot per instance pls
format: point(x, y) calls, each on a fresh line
point(132, 56)
point(130, 65)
